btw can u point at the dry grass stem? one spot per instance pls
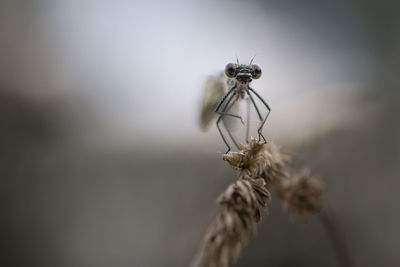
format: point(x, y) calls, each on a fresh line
point(259, 166)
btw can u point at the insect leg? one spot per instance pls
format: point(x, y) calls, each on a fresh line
point(248, 120)
point(258, 113)
point(266, 116)
point(255, 106)
point(227, 108)
point(217, 109)
point(224, 97)
point(231, 136)
point(219, 120)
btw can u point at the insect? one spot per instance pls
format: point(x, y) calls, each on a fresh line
point(237, 87)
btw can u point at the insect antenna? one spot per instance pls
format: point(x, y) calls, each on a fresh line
point(251, 61)
point(237, 60)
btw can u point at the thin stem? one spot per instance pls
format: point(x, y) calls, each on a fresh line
point(336, 238)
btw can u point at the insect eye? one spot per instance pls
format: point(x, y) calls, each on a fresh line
point(256, 71)
point(230, 70)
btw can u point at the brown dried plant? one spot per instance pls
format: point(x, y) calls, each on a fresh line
point(259, 167)
point(301, 195)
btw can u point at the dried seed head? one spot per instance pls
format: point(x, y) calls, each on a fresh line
point(242, 202)
point(276, 165)
point(301, 195)
point(259, 166)
point(257, 159)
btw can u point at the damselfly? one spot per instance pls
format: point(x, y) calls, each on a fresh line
point(220, 97)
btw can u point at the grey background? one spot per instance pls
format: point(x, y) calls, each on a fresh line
point(101, 159)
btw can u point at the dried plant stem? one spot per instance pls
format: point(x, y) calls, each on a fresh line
point(259, 167)
point(336, 238)
point(232, 227)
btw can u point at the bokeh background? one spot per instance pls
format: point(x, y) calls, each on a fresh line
point(102, 162)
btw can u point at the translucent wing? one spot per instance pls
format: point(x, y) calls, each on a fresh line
point(215, 88)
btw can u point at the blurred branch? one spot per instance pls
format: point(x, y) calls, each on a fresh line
point(336, 238)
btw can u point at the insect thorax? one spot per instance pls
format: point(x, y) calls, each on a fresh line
point(240, 89)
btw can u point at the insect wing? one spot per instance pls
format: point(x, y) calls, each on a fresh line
point(214, 90)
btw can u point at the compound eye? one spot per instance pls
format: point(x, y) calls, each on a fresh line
point(230, 70)
point(256, 71)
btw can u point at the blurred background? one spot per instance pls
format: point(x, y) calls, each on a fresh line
point(102, 162)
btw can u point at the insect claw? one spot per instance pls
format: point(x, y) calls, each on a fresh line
point(261, 135)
